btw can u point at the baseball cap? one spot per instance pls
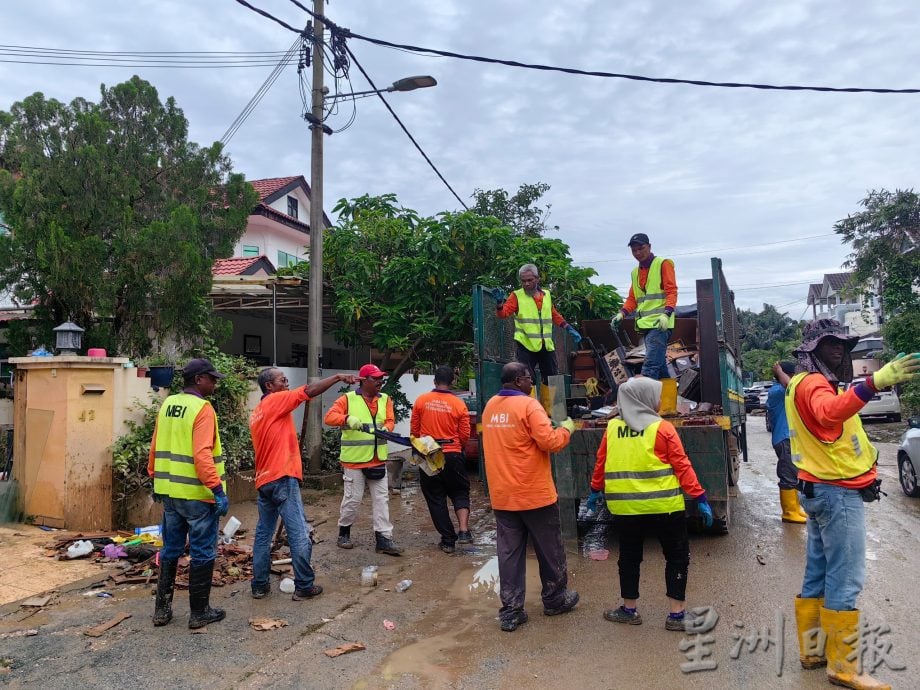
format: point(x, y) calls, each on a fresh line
point(370, 371)
point(201, 366)
point(638, 238)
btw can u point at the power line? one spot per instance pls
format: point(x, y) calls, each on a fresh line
point(272, 17)
point(400, 122)
point(142, 53)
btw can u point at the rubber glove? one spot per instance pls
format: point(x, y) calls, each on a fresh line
point(615, 321)
point(567, 423)
point(353, 423)
point(664, 322)
point(702, 506)
point(899, 370)
point(499, 296)
point(576, 336)
point(594, 501)
point(221, 501)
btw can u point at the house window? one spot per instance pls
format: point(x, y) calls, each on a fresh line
point(292, 206)
point(250, 250)
point(285, 260)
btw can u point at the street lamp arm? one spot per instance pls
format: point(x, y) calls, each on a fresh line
point(406, 84)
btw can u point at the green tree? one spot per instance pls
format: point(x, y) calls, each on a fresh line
point(902, 334)
point(518, 211)
point(402, 283)
point(759, 331)
point(117, 218)
point(889, 223)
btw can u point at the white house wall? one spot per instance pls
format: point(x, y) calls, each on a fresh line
point(303, 204)
point(271, 237)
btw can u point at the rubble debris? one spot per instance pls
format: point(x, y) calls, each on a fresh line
point(388, 624)
point(37, 601)
point(262, 624)
point(344, 649)
point(31, 632)
point(98, 630)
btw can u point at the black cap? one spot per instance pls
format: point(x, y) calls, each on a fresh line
point(638, 238)
point(201, 366)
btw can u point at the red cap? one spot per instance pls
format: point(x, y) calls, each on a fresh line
point(370, 371)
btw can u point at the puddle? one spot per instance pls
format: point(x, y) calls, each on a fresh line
point(486, 578)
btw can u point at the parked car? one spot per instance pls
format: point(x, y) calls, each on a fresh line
point(909, 458)
point(884, 404)
point(751, 399)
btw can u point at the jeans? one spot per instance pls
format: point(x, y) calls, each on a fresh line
point(671, 530)
point(835, 560)
point(786, 472)
point(282, 497)
point(195, 520)
point(543, 358)
point(656, 349)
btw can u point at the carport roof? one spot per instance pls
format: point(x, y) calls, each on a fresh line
point(254, 296)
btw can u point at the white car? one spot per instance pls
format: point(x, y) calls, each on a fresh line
point(909, 458)
point(883, 404)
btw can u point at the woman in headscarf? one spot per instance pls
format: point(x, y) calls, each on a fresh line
point(641, 471)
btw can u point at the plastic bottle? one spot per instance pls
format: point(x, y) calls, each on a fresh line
point(369, 576)
point(287, 586)
point(79, 549)
point(403, 585)
point(230, 529)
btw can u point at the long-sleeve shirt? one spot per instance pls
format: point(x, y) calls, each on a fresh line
point(668, 449)
point(510, 307)
point(668, 284)
point(517, 438)
point(441, 415)
point(274, 436)
point(776, 410)
point(203, 435)
point(823, 412)
point(338, 415)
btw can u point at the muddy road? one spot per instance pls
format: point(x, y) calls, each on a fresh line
point(446, 631)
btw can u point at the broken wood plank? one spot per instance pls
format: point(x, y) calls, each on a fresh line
point(38, 600)
point(344, 649)
point(98, 630)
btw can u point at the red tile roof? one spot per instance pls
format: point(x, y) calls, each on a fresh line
point(234, 266)
point(269, 186)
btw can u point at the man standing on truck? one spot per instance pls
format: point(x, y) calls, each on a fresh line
point(534, 316)
point(837, 473)
point(653, 298)
point(778, 426)
point(517, 438)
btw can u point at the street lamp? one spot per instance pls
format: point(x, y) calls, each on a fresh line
point(408, 84)
point(313, 414)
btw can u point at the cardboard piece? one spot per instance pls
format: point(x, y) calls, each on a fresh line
point(344, 649)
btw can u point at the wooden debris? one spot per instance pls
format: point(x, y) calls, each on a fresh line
point(267, 623)
point(38, 600)
point(98, 630)
point(344, 649)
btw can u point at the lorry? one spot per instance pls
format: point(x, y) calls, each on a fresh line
point(710, 416)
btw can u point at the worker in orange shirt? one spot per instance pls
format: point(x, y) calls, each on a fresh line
point(653, 298)
point(443, 416)
point(363, 456)
point(517, 438)
point(187, 466)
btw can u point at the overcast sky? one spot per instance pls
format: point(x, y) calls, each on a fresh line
point(735, 173)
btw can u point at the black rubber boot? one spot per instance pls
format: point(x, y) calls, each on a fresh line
point(344, 540)
point(166, 579)
point(199, 595)
point(387, 545)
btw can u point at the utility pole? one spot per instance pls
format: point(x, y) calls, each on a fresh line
point(315, 316)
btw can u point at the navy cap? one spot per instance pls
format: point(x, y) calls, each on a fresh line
point(201, 366)
point(638, 238)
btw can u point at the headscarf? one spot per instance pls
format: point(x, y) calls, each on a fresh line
point(806, 356)
point(639, 399)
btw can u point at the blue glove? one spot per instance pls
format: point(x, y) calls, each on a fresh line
point(594, 498)
point(702, 506)
point(499, 296)
point(576, 336)
point(221, 501)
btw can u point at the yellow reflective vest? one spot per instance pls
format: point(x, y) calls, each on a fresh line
point(533, 328)
point(174, 463)
point(650, 302)
point(636, 482)
point(357, 446)
point(848, 456)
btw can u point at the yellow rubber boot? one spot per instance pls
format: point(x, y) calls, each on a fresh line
point(546, 399)
point(808, 624)
point(842, 630)
point(668, 397)
point(792, 512)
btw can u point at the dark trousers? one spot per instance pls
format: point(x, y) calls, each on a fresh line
point(452, 482)
point(786, 472)
point(544, 528)
point(671, 530)
point(543, 358)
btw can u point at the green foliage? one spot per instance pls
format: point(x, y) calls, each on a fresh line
point(400, 282)
point(761, 331)
point(116, 216)
point(332, 447)
point(889, 224)
point(516, 211)
point(902, 334)
point(760, 362)
point(130, 455)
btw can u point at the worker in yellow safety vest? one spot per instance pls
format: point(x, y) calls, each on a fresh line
point(837, 475)
point(642, 471)
point(652, 298)
point(188, 477)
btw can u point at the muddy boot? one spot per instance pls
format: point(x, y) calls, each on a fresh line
point(166, 578)
point(789, 500)
point(199, 595)
point(808, 623)
point(387, 545)
point(842, 630)
point(344, 540)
